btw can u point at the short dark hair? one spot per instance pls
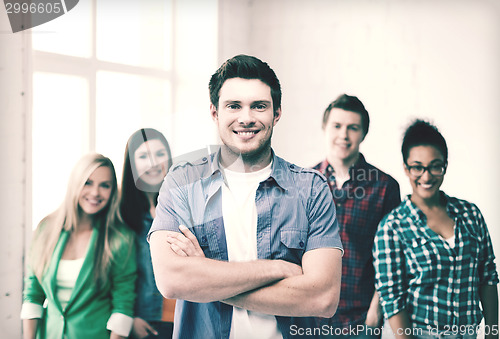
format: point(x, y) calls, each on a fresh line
point(352, 104)
point(423, 133)
point(246, 67)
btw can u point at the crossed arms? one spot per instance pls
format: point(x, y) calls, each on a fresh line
point(268, 286)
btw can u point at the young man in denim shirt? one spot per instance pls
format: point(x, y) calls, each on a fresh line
point(267, 253)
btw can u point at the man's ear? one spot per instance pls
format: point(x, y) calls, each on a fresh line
point(213, 112)
point(277, 116)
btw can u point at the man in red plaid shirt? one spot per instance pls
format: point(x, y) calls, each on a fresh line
point(363, 195)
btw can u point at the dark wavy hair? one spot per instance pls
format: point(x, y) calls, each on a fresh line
point(133, 200)
point(352, 104)
point(246, 67)
point(423, 133)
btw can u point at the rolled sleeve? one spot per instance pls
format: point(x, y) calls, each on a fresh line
point(123, 275)
point(33, 292)
point(488, 274)
point(323, 225)
point(120, 324)
point(172, 209)
point(389, 269)
point(31, 311)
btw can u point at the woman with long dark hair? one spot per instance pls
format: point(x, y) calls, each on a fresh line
point(147, 160)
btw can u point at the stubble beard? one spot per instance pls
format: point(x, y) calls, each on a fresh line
point(252, 157)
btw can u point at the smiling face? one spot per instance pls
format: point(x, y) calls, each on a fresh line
point(425, 186)
point(96, 192)
point(344, 134)
point(245, 119)
point(151, 160)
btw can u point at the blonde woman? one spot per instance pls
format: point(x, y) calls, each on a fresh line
point(82, 267)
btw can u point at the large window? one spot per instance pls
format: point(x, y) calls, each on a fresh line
point(106, 69)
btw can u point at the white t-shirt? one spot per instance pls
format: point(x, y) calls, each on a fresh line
point(239, 212)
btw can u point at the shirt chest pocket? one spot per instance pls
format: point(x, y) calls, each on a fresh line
point(293, 243)
point(208, 239)
point(423, 260)
point(471, 250)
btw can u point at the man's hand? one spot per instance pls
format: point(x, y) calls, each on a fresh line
point(184, 244)
point(141, 329)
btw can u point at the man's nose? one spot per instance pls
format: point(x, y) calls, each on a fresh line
point(246, 116)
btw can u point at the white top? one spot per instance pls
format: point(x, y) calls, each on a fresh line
point(66, 276)
point(450, 240)
point(239, 213)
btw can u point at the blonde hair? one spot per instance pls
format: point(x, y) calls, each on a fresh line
point(66, 219)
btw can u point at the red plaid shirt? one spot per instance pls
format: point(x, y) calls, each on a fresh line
point(361, 203)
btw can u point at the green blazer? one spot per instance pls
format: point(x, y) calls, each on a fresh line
point(89, 308)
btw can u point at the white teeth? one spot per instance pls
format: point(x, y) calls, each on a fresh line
point(426, 186)
point(246, 133)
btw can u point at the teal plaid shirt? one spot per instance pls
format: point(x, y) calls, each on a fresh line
point(418, 271)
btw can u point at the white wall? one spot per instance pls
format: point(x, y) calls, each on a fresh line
point(403, 59)
point(12, 176)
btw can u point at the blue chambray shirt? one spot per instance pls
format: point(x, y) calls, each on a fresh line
point(295, 211)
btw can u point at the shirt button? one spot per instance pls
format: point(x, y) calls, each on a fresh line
point(292, 166)
point(301, 243)
point(339, 204)
point(204, 239)
point(204, 159)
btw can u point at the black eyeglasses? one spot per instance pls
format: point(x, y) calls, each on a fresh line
point(419, 170)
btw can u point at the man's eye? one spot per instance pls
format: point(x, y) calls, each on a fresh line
point(260, 107)
point(418, 168)
point(354, 128)
point(233, 106)
point(88, 182)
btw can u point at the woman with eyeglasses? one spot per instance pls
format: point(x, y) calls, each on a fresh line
point(433, 256)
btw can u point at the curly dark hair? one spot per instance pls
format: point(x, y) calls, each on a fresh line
point(423, 133)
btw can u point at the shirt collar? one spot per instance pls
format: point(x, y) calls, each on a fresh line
point(327, 169)
point(451, 208)
point(280, 172)
point(279, 169)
